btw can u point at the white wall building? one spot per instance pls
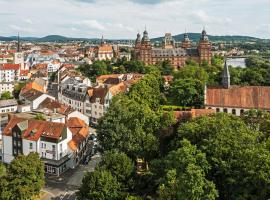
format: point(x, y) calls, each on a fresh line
point(49, 139)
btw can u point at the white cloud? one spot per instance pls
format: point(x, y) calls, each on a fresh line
point(122, 18)
point(93, 24)
point(28, 21)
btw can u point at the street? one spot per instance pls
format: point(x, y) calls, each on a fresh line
point(65, 186)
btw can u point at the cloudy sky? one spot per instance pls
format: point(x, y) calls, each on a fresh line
point(124, 18)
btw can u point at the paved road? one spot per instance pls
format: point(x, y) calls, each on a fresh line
point(66, 186)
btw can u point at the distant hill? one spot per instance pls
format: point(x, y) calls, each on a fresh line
point(196, 37)
point(192, 36)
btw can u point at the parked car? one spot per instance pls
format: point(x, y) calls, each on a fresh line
point(93, 137)
point(87, 159)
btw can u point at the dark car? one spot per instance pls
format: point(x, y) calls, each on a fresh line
point(87, 159)
point(92, 137)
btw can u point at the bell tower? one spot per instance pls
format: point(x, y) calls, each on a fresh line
point(19, 56)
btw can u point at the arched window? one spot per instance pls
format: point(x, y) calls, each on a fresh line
point(233, 111)
point(217, 110)
point(225, 110)
point(209, 108)
point(242, 111)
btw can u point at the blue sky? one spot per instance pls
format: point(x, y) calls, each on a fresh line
point(124, 18)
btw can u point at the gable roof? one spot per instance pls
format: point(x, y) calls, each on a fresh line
point(250, 97)
point(8, 102)
point(31, 94)
point(54, 104)
point(79, 130)
point(98, 93)
point(34, 129)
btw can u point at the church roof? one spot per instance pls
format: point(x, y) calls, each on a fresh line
point(249, 97)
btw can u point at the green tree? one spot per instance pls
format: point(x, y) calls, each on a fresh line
point(166, 67)
point(192, 72)
point(2, 170)
point(129, 127)
point(186, 170)
point(232, 149)
point(6, 95)
point(40, 117)
point(99, 185)
point(147, 90)
point(187, 92)
point(17, 89)
point(120, 166)
point(25, 177)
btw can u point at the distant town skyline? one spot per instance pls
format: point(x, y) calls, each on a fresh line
point(117, 19)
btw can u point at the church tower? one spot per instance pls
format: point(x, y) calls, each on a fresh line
point(186, 43)
point(226, 82)
point(18, 56)
point(204, 48)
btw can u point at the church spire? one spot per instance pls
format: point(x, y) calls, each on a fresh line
point(226, 76)
point(18, 43)
point(102, 41)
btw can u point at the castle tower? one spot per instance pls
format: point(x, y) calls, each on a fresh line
point(137, 48)
point(168, 41)
point(186, 43)
point(204, 48)
point(146, 48)
point(226, 82)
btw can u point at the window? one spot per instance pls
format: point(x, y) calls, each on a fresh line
point(233, 111)
point(53, 147)
point(217, 110)
point(30, 145)
point(225, 110)
point(242, 111)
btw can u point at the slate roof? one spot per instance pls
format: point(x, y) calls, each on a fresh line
point(8, 102)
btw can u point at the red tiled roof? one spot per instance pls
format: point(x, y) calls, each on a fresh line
point(53, 104)
point(35, 129)
point(256, 97)
point(80, 131)
point(24, 72)
point(10, 66)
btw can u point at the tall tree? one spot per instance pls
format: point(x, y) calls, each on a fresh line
point(186, 170)
point(25, 177)
point(99, 185)
point(232, 149)
point(187, 92)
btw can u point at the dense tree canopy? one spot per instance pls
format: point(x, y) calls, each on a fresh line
point(187, 92)
point(24, 178)
point(185, 178)
point(99, 185)
point(232, 150)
